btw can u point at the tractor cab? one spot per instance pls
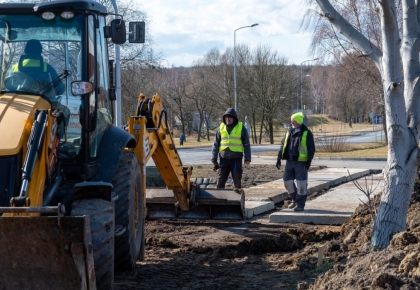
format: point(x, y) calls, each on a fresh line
point(59, 52)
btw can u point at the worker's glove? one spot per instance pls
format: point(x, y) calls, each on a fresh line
point(216, 166)
point(278, 163)
point(307, 165)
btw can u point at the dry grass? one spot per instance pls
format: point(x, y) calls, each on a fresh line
point(319, 125)
point(363, 150)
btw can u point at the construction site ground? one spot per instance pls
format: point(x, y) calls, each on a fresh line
point(277, 248)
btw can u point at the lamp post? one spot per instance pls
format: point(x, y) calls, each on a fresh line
point(117, 77)
point(301, 101)
point(234, 61)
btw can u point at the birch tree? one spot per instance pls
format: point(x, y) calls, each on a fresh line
point(397, 59)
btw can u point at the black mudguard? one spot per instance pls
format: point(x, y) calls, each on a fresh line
point(112, 145)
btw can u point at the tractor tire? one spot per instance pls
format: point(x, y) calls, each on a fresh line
point(101, 215)
point(129, 208)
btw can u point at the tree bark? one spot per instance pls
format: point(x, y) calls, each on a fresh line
point(401, 108)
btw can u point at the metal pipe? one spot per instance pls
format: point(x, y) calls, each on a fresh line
point(51, 190)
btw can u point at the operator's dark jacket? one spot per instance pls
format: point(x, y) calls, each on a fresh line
point(228, 154)
point(295, 137)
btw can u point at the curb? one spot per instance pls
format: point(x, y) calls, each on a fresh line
point(350, 159)
point(328, 158)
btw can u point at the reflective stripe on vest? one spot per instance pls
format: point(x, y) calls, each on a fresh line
point(28, 63)
point(232, 141)
point(303, 148)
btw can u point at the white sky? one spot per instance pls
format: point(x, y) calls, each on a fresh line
point(185, 30)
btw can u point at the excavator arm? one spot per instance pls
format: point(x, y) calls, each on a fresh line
point(150, 127)
point(181, 198)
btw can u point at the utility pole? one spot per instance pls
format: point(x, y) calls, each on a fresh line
point(117, 77)
point(234, 62)
point(301, 101)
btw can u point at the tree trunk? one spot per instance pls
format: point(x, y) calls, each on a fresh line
point(199, 130)
point(254, 129)
point(401, 107)
point(395, 200)
point(271, 130)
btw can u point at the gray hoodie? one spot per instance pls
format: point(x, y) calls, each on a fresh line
point(228, 154)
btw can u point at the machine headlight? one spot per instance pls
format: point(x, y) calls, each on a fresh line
point(48, 15)
point(67, 15)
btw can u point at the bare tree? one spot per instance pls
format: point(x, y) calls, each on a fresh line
point(266, 86)
point(402, 106)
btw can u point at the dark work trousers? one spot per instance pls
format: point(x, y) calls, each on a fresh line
point(232, 166)
point(295, 170)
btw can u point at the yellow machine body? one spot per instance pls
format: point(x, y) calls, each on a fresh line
point(17, 116)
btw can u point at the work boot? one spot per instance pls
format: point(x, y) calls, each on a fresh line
point(292, 204)
point(238, 190)
point(300, 201)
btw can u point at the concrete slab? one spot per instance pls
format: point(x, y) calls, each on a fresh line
point(319, 180)
point(334, 207)
point(253, 208)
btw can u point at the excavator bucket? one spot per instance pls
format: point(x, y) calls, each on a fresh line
point(46, 253)
point(206, 203)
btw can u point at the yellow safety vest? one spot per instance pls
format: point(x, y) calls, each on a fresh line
point(232, 141)
point(29, 63)
point(303, 148)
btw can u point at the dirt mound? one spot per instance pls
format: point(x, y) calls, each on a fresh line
point(396, 267)
point(283, 243)
point(255, 254)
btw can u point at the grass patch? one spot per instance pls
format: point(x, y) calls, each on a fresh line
point(320, 124)
point(333, 143)
point(363, 150)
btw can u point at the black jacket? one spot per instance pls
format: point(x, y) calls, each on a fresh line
point(228, 154)
point(292, 147)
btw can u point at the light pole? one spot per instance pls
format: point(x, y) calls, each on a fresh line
point(117, 77)
point(301, 101)
point(234, 61)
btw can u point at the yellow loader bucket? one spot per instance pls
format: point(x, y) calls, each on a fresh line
point(206, 203)
point(46, 253)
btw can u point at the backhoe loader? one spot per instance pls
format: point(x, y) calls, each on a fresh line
point(72, 185)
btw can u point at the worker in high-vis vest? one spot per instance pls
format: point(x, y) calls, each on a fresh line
point(231, 146)
point(34, 47)
point(298, 148)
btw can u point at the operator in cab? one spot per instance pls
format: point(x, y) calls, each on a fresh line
point(33, 51)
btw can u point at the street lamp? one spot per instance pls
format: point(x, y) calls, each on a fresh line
point(234, 61)
point(301, 101)
point(117, 77)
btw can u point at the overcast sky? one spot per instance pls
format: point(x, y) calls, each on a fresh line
point(185, 30)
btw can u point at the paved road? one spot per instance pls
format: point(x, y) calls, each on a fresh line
point(203, 155)
point(366, 137)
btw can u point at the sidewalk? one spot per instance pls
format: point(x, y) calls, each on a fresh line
point(334, 207)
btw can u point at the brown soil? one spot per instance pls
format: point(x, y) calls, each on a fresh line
point(255, 254)
point(252, 174)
